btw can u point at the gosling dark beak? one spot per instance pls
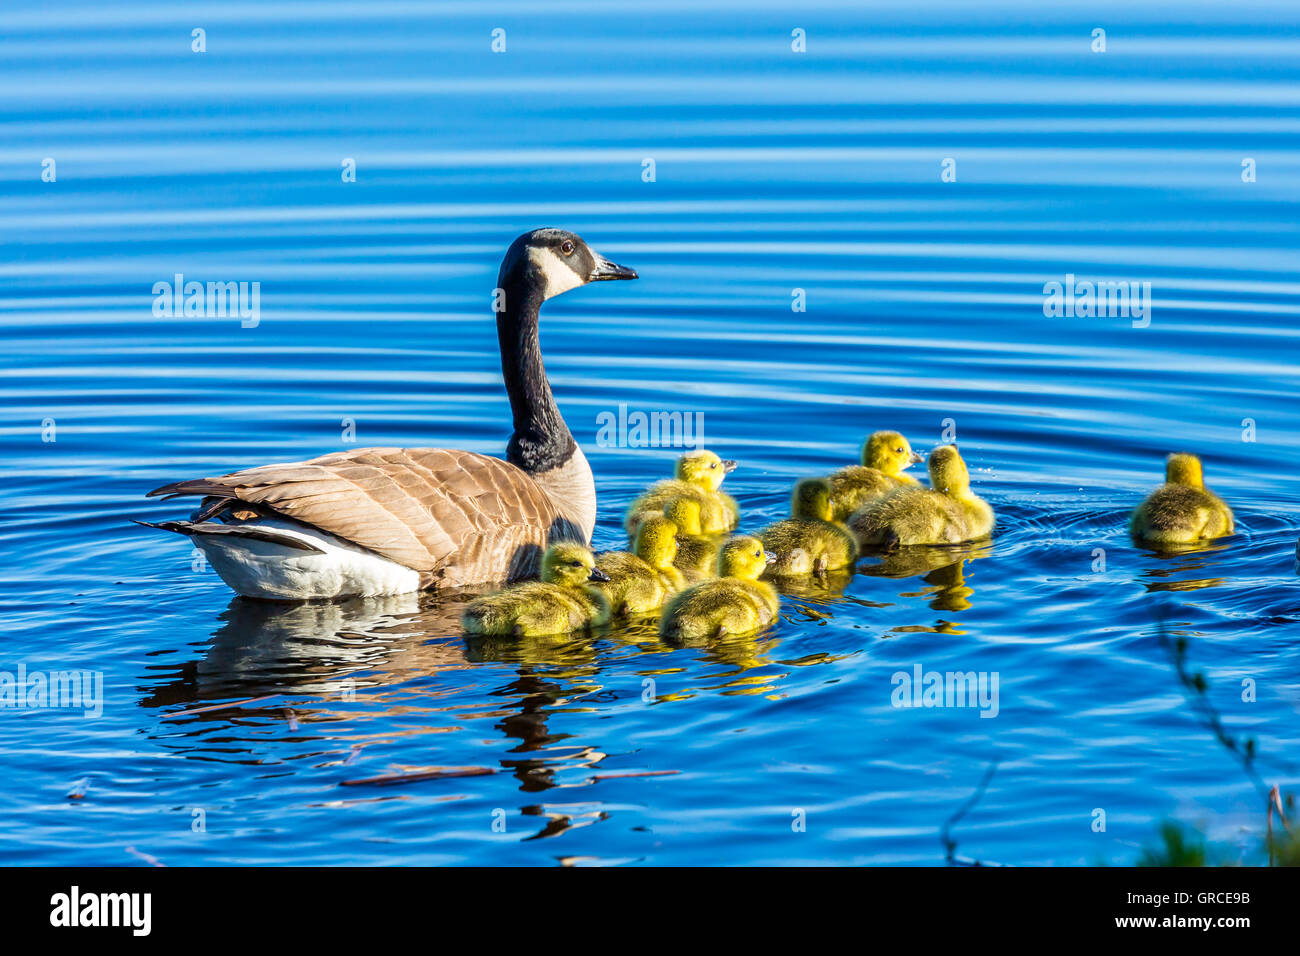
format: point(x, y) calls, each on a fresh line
point(604, 269)
point(728, 465)
point(769, 556)
point(917, 458)
point(598, 575)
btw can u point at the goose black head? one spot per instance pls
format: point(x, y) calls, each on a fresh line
point(551, 261)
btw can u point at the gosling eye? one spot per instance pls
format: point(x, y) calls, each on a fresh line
point(899, 450)
point(713, 464)
point(567, 247)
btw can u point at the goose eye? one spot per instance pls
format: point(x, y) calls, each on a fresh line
point(899, 450)
point(713, 464)
point(567, 247)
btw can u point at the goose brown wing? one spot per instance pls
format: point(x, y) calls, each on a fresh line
point(430, 509)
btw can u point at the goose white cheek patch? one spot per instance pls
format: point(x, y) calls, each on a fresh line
point(559, 277)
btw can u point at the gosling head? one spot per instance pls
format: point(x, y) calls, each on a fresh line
point(743, 557)
point(1184, 469)
point(811, 499)
point(570, 565)
point(656, 541)
point(888, 452)
point(704, 469)
point(685, 514)
point(948, 473)
point(551, 261)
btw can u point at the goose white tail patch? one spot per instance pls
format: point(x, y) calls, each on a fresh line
point(263, 569)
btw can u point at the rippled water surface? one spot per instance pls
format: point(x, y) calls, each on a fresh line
point(774, 171)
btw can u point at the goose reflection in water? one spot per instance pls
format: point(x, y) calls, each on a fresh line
point(1159, 575)
point(339, 674)
point(825, 588)
point(941, 567)
point(314, 648)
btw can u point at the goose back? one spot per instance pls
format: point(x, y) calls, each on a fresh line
point(456, 517)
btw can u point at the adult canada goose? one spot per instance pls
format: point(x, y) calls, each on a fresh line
point(885, 455)
point(390, 520)
point(561, 602)
point(735, 603)
point(947, 512)
point(1182, 510)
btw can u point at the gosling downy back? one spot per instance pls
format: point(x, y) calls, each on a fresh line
point(946, 513)
point(698, 474)
point(736, 603)
point(697, 553)
point(885, 456)
point(564, 600)
point(640, 582)
point(809, 542)
point(1182, 511)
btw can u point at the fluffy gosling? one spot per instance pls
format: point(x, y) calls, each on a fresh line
point(947, 512)
point(809, 542)
point(885, 455)
point(1182, 510)
point(697, 553)
point(736, 603)
point(699, 475)
point(562, 601)
point(641, 581)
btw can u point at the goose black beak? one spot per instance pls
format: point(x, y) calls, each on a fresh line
point(769, 556)
point(598, 575)
point(728, 465)
point(917, 458)
point(604, 269)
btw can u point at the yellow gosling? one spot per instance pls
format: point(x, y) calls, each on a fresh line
point(697, 553)
point(809, 542)
point(1182, 510)
point(561, 602)
point(946, 513)
point(736, 603)
point(640, 582)
point(699, 475)
point(885, 455)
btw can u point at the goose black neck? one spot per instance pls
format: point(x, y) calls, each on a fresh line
point(541, 440)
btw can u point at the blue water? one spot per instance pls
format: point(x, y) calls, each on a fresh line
point(773, 171)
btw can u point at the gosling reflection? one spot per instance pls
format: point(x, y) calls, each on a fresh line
point(943, 568)
point(744, 659)
point(1181, 561)
point(826, 588)
point(534, 696)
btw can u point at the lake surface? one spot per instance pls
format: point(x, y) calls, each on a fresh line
point(773, 171)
